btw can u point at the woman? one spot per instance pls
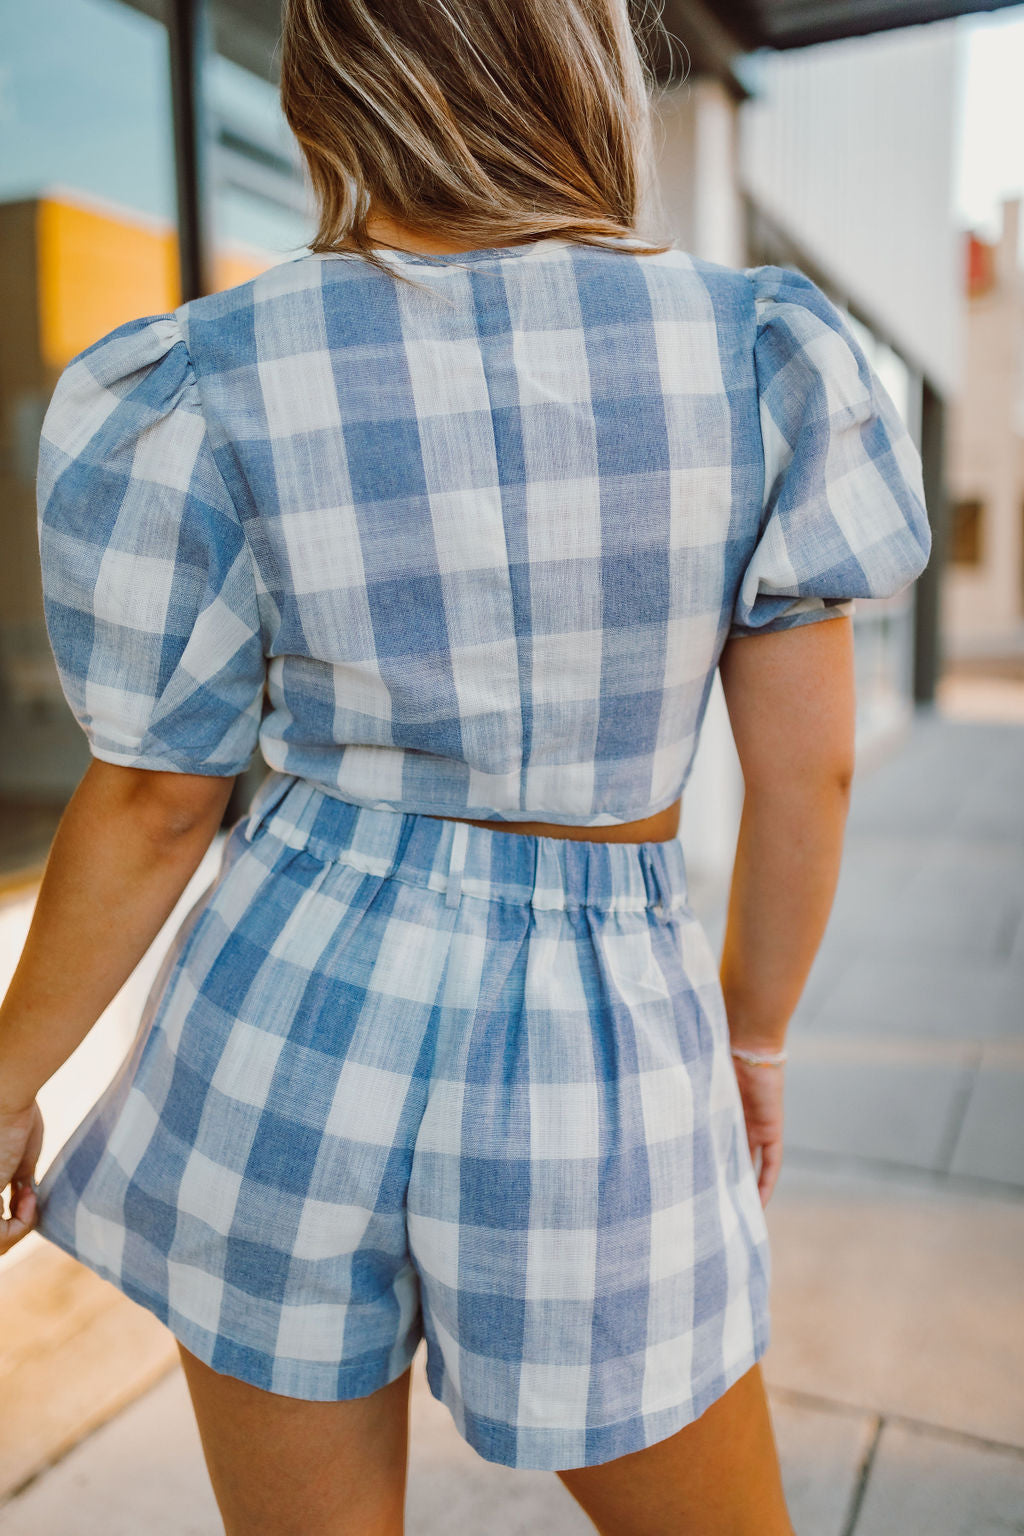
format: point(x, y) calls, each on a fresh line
point(480, 493)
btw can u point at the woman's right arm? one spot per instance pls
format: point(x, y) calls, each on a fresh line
point(791, 700)
point(126, 847)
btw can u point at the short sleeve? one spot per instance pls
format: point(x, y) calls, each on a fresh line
point(843, 513)
point(149, 587)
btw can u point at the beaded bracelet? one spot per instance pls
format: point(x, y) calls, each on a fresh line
point(761, 1058)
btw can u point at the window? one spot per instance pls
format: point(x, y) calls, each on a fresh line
point(87, 228)
point(260, 207)
point(966, 541)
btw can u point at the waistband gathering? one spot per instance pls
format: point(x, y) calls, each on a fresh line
point(457, 859)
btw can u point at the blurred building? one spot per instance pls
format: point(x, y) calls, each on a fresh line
point(778, 158)
point(145, 159)
point(89, 237)
point(71, 270)
point(983, 613)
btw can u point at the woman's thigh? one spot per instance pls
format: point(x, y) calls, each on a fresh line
point(285, 1466)
point(719, 1476)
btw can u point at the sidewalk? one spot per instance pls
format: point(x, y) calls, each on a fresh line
point(896, 1367)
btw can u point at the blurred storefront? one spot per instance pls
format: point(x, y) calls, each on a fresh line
point(146, 159)
point(74, 269)
point(90, 204)
point(984, 593)
point(773, 157)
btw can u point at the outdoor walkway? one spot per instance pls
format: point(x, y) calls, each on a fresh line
point(897, 1361)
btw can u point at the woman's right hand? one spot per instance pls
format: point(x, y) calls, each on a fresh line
point(761, 1090)
point(21, 1137)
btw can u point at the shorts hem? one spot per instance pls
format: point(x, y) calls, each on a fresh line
point(546, 1448)
point(203, 1343)
point(501, 1443)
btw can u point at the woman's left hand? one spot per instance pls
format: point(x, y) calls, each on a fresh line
point(21, 1136)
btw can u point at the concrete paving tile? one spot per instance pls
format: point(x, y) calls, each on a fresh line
point(831, 963)
point(948, 775)
point(991, 1140)
point(893, 1296)
point(820, 1450)
point(1016, 956)
point(910, 795)
point(899, 774)
point(993, 809)
point(143, 1471)
point(891, 1111)
point(841, 1050)
point(79, 1351)
point(451, 1488)
point(838, 952)
point(969, 904)
point(974, 870)
point(929, 1483)
point(961, 997)
point(874, 874)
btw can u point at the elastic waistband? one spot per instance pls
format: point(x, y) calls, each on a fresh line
point(551, 873)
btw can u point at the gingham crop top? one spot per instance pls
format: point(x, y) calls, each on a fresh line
point(470, 548)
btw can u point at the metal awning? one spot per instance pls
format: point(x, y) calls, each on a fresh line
point(717, 34)
point(799, 23)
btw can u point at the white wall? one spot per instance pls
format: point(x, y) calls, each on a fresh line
point(671, 210)
point(850, 146)
point(850, 149)
point(983, 605)
point(698, 177)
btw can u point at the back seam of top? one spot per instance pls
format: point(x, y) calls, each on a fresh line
point(524, 755)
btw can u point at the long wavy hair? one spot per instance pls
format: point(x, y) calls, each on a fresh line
point(488, 122)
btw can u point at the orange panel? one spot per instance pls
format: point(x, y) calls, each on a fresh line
point(230, 269)
point(95, 272)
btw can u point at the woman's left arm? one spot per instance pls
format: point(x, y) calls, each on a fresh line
point(126, 847)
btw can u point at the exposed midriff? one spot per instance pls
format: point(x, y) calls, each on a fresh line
point(659, 828)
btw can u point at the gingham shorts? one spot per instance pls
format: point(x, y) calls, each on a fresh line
point(401, 1076)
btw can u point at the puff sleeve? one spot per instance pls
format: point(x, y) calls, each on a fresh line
point(843, 512)
point(149, 587)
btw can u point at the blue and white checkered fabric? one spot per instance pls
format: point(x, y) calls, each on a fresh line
point(481, 543)
point(395, 1061)
point(483, 539)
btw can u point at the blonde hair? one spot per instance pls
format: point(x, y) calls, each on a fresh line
point(488, 121)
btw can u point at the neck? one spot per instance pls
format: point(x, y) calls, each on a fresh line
point(383, 230)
